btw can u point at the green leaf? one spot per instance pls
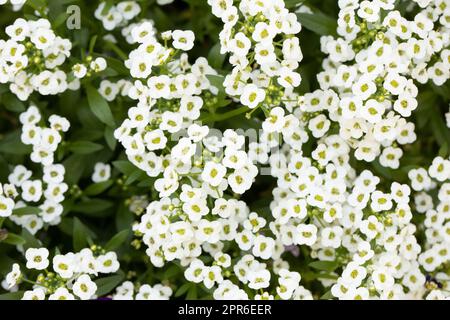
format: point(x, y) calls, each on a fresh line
point(99, 106)
point(192, 293)
point(92, 43)
point(109, 138)
point(6, 264)
point(327, 296)
point(107, 7)
point(12, 295)
point(74, 165)
point(26, 211)
point(14, 239)
point(124, 166)
point(443, 150)
point(92, 206)
point(388, 173)
point(36, 4)
point(117, 66)
point(97, 188)
point(182, 290)
point(135, 176)
point(292, 3)
point(87, 134)
point(60, 20)
point(124, 217)
point(107, 284)
point(30, 240)
point(84, 147)
point(329, 276)
point(12, 103)
point(215, 58)
point(117, 240)
point(80, 235)
point(12, 144)
point(439, 127)
point(324, 265)
point(443, 90)
point(216, 81)
point(172, 271)
point(146, 182)
point(318, 23)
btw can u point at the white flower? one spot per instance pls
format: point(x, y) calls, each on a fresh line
point(263, 247)
point(258, 279)
point(307, 234)
point(102, 172)
point(108, 263)
point(208, 231)
point(371, 227)
point(35, 294)
point(19, 30)
point(288, 78)
point(419, 179)
point(37, 258)
point(400, 192)
point(275, 121)
point(353, 274)
point(240, 44)
point(363, 253)
point(213, 173)
point(61, 294)
point(32, 190)
point(252, 96)
point(108, 90)
point(99, 64)
point(440, 169)
point(380, 201)
point(84, 287)
point(390, 157)
point(331, 236)
point(382, 279)
point(12, 278)
point(42, 37)
point(64, 266)
point(196, 271)
point(6, 206)
point(54, 173)
point(79, 70)
point(183, 40)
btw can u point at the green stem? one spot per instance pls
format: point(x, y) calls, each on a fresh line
point(32, 282)
point(117, 50)
point(226, 115)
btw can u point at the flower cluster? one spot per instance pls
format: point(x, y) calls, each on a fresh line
point(368, 86)
point(346, 220)
point(110, 90)
point(128, 291)
point(71, 275)
point(194, 210)
point(31, 57)
point(264, 51)
point(29, 202)
point(168, 104)
point(436, 222)
point(44, 140)
point(88, 67)
point(113, 16)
